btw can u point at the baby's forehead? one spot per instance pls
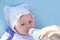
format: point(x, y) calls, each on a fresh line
point(26, 17)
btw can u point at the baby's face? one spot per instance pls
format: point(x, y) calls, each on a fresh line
point(24, 24)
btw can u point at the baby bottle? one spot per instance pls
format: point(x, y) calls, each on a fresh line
point(33, 33)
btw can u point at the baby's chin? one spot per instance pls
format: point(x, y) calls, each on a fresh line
point(24, 33)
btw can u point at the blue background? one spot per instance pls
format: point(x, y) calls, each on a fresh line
point(46, 12)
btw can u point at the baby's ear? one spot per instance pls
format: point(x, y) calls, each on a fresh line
point(6, 13)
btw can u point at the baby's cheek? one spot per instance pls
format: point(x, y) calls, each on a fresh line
point(32, 26)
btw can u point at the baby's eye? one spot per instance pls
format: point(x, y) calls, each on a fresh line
point(30, 21)
point(22, 24)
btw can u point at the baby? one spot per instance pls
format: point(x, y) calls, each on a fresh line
point(21, 21)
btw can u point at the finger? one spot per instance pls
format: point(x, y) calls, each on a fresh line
point(54, 34)
point(45, 31)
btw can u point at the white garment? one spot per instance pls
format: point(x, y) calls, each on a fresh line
point(16, 36)
point(22, 37)
point(5, 36)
